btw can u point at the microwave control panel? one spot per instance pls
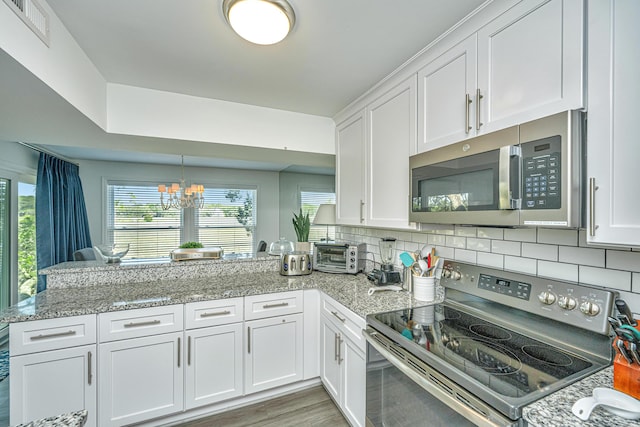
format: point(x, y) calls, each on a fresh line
point(541, 174)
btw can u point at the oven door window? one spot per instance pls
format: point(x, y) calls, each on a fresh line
point(465, 184)
point(394, 400)
point(332, 256)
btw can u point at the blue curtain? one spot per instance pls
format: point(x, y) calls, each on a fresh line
point(62, 226)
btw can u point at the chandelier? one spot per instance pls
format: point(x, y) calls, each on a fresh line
point(179, 196)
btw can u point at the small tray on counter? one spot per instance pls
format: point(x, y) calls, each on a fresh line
point(186, 254)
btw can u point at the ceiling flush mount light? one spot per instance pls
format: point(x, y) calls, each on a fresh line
point(260, 21)
point(181, 196)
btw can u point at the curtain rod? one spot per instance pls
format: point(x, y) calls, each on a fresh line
point(51, 153)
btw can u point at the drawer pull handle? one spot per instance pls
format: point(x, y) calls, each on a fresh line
point(55, 335)
point(218, 313)
point(179, 351)
point(335, 313)
point(138, 324)
point(189, 350)
point(249, 339)
point(89, 375)
point(280, 304)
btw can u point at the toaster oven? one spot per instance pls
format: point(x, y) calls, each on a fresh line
point(339, 257)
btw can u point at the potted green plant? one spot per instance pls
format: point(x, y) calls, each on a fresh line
point(302, 225)
point(191, 245)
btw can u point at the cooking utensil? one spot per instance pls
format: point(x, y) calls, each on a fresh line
point(425, 251)
point(624, 310)
point(634, 332)
point(614, 401)
point(424, 267)
point(623, 351)
point(384, 288)
point(407, 259)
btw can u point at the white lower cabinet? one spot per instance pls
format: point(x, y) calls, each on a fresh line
point(52, 383)
point(140, 379)
point(343, 362)
point(214, 365)
point(274, 352)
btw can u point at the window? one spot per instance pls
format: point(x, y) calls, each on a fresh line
point(27, 268)
point(309, 202)
point(228, 220)
point(134, 216)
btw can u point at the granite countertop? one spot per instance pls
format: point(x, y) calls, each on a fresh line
point(72, 419)
point(555, 409)
point(349, 290)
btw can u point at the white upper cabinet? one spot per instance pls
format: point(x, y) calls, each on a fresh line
point(372, 159)
point(525, 64)
point(612, 141)
point(350, 170)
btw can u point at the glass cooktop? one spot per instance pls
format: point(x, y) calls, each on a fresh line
point(507, 362)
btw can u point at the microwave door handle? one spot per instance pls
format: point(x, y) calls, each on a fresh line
point(509, 177)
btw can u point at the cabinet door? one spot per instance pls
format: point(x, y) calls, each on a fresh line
point(350, 170)
point(140, 379)
point(52, 383)
point(530, 62)
point(354, 383)
point(446, 97)
point(329, 368)
point(274, 352)
point(213, 365)
point(391, 140)
point(612, 146)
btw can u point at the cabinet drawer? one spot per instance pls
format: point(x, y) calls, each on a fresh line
point(261, 306)
point(347, 321)
point(51, 334)
point(213, 313)
point(140, 322)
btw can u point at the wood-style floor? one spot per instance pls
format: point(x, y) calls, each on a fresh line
point(306, 408)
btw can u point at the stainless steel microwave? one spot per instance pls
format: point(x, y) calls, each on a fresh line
point(527, 175)
point(339, 257)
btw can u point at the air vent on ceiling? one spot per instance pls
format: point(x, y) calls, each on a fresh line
point(33, 15)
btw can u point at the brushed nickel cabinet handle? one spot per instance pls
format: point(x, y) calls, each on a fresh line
point(217, 313)
point(189, 350)
point(249, 339)
point(138, 324)
point(340, 341)
point(478, 98)
point(335, 346)
point(54, 335)
point(467, 105)
point(179, 352)
point(335, 313)
point(89, 355)
point(280, 304)
point(592, 206)
point(361, 211)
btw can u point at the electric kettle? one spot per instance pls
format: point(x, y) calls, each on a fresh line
point(295, 264)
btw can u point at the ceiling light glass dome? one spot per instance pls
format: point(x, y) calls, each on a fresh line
point(261, 22)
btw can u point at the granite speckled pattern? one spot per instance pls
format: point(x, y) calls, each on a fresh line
point(93, 273)
point(71, 419)
point(349, 290)
point(555, 409)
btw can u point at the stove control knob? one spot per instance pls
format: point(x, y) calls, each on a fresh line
point(446, 273)
point(566, 302)
point(455, 275)
point(547, 297)
point(590, 308)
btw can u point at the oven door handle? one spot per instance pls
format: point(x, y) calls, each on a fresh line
point(496, 419)
point(510, 161)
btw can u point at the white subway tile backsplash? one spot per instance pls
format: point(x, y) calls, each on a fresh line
point(558, 237)
point(456, 242)
point(490, 233)
point(437, 240)
point(605, 277)
point(520, 265)
point(491, 260)
point(465, 231)
point(536, 250)
point(505, 247)
point(635, 283)
point(419, 237)
point(582, 256)
point(444, 252)
point(622, 260)
point(412, 246)
point(483, 245)
point(520, 234)
point(464, 255)
point(557, 270)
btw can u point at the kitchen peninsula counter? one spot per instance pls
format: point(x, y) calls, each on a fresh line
point(236, 279)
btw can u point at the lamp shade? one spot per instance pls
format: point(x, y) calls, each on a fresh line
point(326, 215)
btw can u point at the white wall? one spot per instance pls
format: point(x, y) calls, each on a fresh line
point(290, 186)
point(94, 173)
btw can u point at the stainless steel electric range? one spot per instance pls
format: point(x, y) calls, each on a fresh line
point(497, 343)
